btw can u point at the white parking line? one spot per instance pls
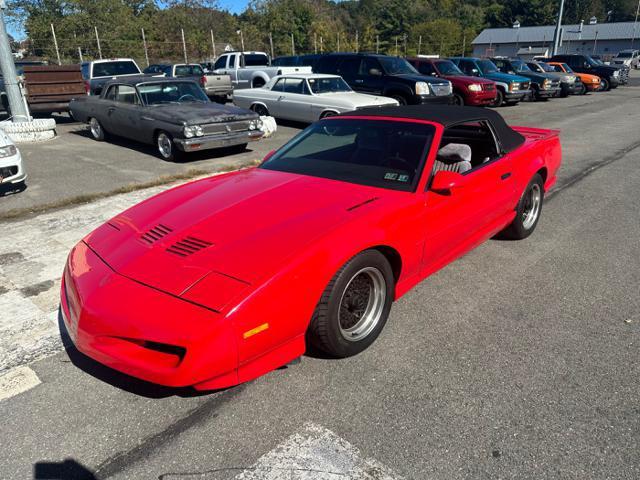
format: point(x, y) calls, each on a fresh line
point(17, 380)
point(316, 453)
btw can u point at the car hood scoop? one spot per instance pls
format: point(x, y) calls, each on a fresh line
point(242, 225)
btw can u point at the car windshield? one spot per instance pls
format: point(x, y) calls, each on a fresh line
point(624, 55)
point(487, 66)
point(171, 92)
point(567, 68)
point(447, 67)
point(378, 153)
point(520, 66)
point(396, 66)
point(546, 68)
point(328, 85)
point(111, 69)
point(594, 62)
point(256, 60)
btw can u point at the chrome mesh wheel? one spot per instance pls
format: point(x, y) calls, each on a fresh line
point(362, 304)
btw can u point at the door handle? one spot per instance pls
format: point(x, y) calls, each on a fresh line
point(359, 81)
point(504, 176)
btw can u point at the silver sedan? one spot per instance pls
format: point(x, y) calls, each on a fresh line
point(306, 97)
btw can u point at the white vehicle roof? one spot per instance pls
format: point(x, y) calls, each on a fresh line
point(107, 60)
point(306, 76)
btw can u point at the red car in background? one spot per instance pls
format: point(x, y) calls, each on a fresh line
point(472, 91)
point(220, 280)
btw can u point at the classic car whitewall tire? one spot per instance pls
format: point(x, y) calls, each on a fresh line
point(260, 110)
point(354, 307)
point(97, 132)
point(327, 114)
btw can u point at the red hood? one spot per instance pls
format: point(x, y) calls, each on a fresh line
point(466, 80)
point(242, 225)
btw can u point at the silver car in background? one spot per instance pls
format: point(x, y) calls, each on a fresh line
point(306, 97)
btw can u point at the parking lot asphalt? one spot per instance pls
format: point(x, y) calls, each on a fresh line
point(517, 361)
point(74, 165)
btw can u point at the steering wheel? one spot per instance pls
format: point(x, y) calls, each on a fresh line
point(186, 96)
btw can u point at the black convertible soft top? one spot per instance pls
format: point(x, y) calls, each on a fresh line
point(448, 116)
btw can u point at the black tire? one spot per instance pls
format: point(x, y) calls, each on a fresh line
point(166, 147)
point(327, 114)
point(457, 99)
point(524, 225)
point(338, 338)
point(258, 82)
point(583, 89)
point(401, 99)
point(5, 105)
point(605, 85)
point(96, 129)
point(260, 110)
point(499, 101)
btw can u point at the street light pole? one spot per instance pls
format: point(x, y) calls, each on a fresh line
point(635, 24)
point(8, 69)
point(556, 35)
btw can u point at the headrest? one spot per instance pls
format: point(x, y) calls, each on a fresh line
point(455, 152)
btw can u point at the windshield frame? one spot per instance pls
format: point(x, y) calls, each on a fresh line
point(337, 78)
point(143, 98)
point(425, 154)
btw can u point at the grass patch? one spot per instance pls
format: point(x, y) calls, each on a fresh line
point(92, 197)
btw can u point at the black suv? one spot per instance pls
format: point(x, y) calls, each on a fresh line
point(610, 76)
point(385, 75)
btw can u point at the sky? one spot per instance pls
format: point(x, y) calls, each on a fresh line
point(234, 6)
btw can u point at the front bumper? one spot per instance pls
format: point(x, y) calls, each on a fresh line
point(516, 95)
point(481, 98)
point(547, 92)
point(143, 332)
point(11, 170)
point(218, 141)
point(434, 99)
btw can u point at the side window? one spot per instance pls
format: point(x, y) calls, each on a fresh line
point(467, 66)
point(279, 85)
point(327, 64)
point(182, 70)
point(127, 94)
point(111, 93)
point(220, 63)
point(467, 146)
point(425, 68)
point(294, 85)
point(232, 61)
point(368, 64)
point(501, 65)
point(348, 67)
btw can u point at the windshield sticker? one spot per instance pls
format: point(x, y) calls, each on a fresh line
point(390, 176)
point(403, 178)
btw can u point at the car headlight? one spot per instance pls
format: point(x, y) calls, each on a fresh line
point(474, 87)
point(595, 80)
point(572, 79)
point(616, 73)
point(191, 131)
point(546, 84)
point(8, 151)
point(422, 88)
point(514, 86)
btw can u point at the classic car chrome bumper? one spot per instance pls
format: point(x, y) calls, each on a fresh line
point(217, 141)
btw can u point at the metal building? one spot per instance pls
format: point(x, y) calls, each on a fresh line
point(604, 39)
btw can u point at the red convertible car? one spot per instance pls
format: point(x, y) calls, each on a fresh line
point(220, 280)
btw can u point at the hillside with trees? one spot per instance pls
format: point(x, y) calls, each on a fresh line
point(393, 26)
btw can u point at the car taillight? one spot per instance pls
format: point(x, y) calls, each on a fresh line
point(87, 87)
point(203, 81)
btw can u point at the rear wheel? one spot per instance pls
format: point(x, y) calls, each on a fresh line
point(528, 210)
point(354, 307)
point(97, 132)
point(605, 85)
point(401, 99)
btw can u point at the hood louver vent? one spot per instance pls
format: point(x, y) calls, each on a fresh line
point(156, 233)
point(188, 246)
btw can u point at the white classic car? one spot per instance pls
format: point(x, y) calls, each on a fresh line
point(306, 97)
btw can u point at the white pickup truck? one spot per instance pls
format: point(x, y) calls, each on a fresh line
point(251, 69)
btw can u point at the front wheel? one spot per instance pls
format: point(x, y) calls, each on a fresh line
point(605, 85)
point(399, 98)
point(528, 210)
point(457, 100)
point(167, 148)
point(354, 307)
point(96, 129)
point(499, 99)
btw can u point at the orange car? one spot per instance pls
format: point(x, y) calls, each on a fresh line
point(591, 82)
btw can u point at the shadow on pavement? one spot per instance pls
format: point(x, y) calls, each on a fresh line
point(117, 379)
point(68, 469)
point(11, 189)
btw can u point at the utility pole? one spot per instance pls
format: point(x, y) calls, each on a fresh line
point(419, 44)
point(98, 42)
point(377, 43)
point(635, 24)
point(80, 55)
point(595, 42)
point(271, 44)
point(8, 68)
point(396, 46)
point(315, 43)
point(404, 39)
point(239, 32)
point(293, 46)
point(321, 45)
point(338, 49)
point(357, 44)
point(55, 42)
point(184, 46)
point(213, 46)
point(557, 33)
point(464, 44)
point(144, 44)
